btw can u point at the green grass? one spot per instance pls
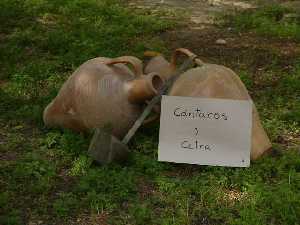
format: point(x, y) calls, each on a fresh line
point(46, 175)
point(271, 21)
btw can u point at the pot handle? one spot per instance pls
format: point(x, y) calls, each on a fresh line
point(187, 53)
point(136, 63)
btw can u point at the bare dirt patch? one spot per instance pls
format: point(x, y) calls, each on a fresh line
point(2, 83)
point(240, 51)
point(199, 13)
point(146, 189)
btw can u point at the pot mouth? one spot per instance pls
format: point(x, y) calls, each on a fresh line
point(155, 82)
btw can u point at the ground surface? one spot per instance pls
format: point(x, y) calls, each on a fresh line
point(45, 174)
point(199, 13)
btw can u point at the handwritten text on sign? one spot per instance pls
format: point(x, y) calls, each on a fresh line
point(205, 131)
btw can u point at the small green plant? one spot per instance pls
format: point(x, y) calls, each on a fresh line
point(65, 205)
point(36, 173)
point(141, 213)
point(80, 166)
point(73, 143)
point(4, 200)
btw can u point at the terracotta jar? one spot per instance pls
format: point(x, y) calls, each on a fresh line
point(212, 81)
point(103, 92)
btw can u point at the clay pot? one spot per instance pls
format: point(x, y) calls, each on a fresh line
point(103, 92)
point(213, 81)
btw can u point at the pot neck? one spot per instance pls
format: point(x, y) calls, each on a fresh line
point(143, 88)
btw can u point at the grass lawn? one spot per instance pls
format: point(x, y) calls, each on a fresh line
point(46, 176)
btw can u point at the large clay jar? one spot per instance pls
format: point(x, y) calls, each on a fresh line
point(103, 92)
point(214, 81)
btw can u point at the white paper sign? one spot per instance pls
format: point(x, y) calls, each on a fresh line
point(205, 131)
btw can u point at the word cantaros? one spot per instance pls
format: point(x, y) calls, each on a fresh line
point(198, 114)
